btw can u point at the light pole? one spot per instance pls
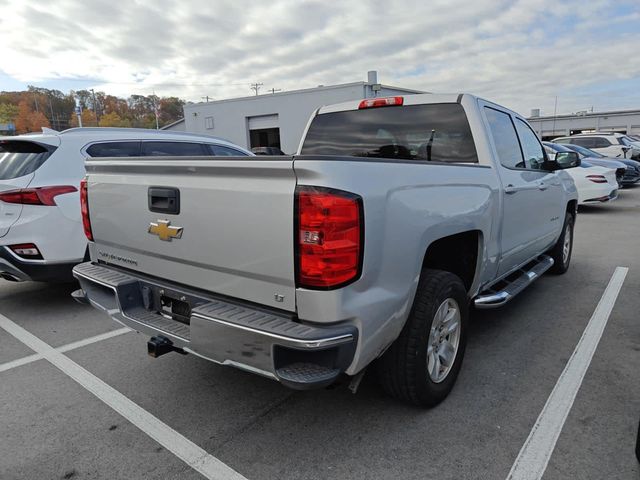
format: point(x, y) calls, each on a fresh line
point(95, 108)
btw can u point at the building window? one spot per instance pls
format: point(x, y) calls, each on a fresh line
point(208, 123)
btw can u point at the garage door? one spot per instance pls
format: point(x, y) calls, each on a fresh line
point(263, 121)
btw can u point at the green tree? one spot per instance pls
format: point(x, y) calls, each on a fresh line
point(112, 119)
point(8, 112)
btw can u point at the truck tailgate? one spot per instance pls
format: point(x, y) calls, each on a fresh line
point(235, 216)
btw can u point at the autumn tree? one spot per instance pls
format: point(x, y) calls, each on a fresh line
point(56, 105)
point(88, 119)
point(28, 120)
point(37, 120)
point(22, 119)
point(171, 109)
point(26, 109)
point(112, 104)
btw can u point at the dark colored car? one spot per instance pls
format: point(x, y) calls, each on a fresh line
point(631, 174)
point(267, 151)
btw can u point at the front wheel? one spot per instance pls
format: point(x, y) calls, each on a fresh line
point(562, 250)
point(422, 365)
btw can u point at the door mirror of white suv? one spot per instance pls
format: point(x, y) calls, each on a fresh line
point(567, 160)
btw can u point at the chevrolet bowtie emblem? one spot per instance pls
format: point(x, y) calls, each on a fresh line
point(164, 230)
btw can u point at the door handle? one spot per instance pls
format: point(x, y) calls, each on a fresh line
point(164, 200)
point(542, 186)
point(510, 189)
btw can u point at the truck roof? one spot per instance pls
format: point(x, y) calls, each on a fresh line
point(411, 99)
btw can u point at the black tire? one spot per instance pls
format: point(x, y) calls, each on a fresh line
point(403, 369)
point(560, 262)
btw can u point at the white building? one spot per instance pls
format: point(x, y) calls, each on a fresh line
point(620, 121)
point(276, 119)
point(177, 126)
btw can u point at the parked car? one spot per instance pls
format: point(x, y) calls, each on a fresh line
point(370, 244)
point(267, 151)
point(41, 233)
point(594, 183)
point(614, 145)
point(619, 167)
point(632, 167)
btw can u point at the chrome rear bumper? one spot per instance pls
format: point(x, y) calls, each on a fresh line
point(226, 331)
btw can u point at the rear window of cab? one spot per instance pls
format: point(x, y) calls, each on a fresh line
point(432, 132)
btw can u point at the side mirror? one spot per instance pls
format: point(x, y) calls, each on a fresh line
point(625, 150)
point(567, 160)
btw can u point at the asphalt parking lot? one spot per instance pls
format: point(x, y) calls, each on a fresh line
point(54, 428)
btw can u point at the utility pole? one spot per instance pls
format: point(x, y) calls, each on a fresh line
point(52, 116)
point(256, 87)
point(274, 90)
point(95, 107)
point(206, 98)
point(155, 109)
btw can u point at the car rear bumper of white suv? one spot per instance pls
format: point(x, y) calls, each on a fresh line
point(15, 269)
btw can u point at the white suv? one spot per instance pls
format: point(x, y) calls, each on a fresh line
point(41, 231)
point(615, 145)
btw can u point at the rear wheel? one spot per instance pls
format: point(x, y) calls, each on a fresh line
point(422, 365)
point(561, 252)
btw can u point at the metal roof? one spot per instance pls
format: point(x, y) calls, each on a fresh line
point(302, 90)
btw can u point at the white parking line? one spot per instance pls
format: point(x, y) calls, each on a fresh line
point(534, 456)
point(180, 446)
point(64, 348)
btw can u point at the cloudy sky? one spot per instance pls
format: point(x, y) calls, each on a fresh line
point(519, 53)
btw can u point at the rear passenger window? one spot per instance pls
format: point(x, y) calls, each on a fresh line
point(585, 142)
point(18, 159)
point(532, 148)
point(222, 151)
point(601, 142)
point(114, 149)
point(504, 138)
point(173, 149)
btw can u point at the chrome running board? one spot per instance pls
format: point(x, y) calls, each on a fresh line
point(504, 290)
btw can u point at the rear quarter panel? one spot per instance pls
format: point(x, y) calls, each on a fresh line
point(406, 207)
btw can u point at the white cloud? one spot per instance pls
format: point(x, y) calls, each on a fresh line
point(521, 53)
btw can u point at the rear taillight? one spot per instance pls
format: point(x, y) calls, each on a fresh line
point(36, 196)
point(27, 251)
point(597, 178)
point(329, 237)
point(84, 209)
point(381, 102)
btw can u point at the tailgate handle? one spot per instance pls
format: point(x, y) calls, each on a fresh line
point(164, 200)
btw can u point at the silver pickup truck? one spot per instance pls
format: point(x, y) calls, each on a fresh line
point(368, 247)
